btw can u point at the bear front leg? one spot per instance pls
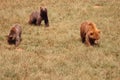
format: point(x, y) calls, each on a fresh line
point(38, 22)
point(87, 42)
point(46, 21)
point(30, 21)
point(17, 41)
point(83, 39)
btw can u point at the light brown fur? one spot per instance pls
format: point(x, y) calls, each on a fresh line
point(89, 33)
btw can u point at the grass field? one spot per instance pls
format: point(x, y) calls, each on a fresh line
point(56, 52)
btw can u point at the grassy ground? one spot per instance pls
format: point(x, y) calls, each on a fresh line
point(57, 53)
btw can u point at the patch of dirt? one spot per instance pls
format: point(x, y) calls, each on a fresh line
point(19, 49)
point(97, 6)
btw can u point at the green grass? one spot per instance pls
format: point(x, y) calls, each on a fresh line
point(56, 52)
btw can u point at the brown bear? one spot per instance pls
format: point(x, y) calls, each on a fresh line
point(14, 36)
point(89, 33)
point(37, 16)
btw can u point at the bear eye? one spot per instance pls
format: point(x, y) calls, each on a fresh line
point(91, 33)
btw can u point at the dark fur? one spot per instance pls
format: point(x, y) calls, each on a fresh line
point(14, 36)
point(37, 17)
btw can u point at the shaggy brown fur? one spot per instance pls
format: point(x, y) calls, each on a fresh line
point(37, 16)
point(89, 33)
point(14, 36)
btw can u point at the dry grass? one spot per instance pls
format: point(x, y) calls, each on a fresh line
point(57, 53)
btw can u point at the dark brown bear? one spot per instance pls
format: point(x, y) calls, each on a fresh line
point(14, 36)
point(37, 16)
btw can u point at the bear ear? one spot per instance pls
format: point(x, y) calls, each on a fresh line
point(92, 24)
point(41, 8)
point(91, 33)
point(45, 9)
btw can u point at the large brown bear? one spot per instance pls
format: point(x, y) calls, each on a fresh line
point(37, 16)
point(14, 36)
point(89, 33)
